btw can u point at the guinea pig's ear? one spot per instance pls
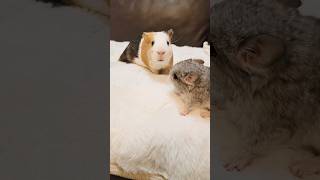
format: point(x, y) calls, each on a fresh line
point(259, 52)
point(199, 61)
point(144, 34)
point(291, 3)
point(170, 33)
point(190, 78)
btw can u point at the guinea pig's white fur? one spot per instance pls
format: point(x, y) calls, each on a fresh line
point(155, 51)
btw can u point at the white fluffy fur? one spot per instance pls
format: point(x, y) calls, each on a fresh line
point(147, 132)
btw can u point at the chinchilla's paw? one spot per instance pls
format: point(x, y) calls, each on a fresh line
point(307, 167)
point(239, 162)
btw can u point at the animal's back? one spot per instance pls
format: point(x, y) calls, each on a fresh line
point(131, 51)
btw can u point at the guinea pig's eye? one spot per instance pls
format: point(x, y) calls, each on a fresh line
point(168, 43)
point(152, 43)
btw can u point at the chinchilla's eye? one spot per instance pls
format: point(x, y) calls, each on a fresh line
point(152, 43)
point(168, 43)
point(175, 76)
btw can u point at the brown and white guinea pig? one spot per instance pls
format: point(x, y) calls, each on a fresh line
point(153, 51)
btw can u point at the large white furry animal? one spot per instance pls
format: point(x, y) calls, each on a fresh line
point(149, 138)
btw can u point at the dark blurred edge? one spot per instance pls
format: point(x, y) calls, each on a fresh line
point(57, 2)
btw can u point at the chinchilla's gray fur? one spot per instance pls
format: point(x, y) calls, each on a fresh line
point(197, 93)
point(281, 107)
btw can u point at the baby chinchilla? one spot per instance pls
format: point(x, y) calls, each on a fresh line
point(192, 83)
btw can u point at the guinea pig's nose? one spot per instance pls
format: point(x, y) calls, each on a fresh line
point(161, 53)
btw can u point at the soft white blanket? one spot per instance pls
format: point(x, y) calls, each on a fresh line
point(148, 135)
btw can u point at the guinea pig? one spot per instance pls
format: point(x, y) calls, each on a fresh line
point(153, 51)
point(266, 74)
point(191, 80)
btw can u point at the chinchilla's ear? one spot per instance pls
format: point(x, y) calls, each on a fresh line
point(291, 3)
point(190, 78)
point(259, 52)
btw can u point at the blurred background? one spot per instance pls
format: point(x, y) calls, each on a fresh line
point(188, 18)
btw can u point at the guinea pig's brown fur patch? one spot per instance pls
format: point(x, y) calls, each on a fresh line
point(167, 69)
point(148, 37)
